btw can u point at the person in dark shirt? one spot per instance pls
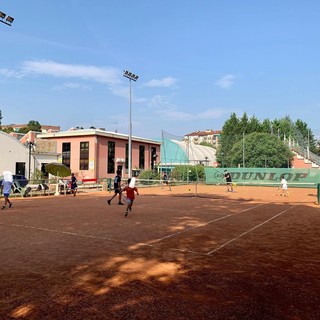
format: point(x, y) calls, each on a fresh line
point(166, 180)
point(74, 186)
point(227, 176)
point(117, 188)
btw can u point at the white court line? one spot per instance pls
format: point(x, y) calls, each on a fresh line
point(203, 224)
point(248, 231)
point(75, 234)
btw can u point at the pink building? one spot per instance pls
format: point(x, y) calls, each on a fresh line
point(96, 153)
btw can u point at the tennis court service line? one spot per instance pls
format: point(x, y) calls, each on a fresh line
point(202, 224)
point(73, 234)
point(250, 230)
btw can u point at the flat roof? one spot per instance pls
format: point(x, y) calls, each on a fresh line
point(94, 132)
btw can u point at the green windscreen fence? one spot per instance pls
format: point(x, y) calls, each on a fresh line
point(264, 176)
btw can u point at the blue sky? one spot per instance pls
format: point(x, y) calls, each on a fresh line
point(62, 63)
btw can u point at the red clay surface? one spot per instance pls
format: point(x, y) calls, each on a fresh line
point(243, 255)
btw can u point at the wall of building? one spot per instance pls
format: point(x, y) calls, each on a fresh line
point(12, 152)
point(98, 153)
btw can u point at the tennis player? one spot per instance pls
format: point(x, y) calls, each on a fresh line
point(166, 181)
point(130, 195)
point(227, 176)
point(284, 186)
point(117, 188)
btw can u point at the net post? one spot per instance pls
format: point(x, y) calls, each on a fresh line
point(318, 192)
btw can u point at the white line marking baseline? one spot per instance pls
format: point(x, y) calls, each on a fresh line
point(248, 231)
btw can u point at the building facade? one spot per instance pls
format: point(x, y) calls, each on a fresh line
point(207, 136)
point(96, 153)
point(24, 155)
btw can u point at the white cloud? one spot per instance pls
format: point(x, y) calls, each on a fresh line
point(226, 81)
point(212, 113)
point(165, 82)
point(10, 73)
point(86, 72)
point(160, 102)
point(189, 116)
point(164, 109)
point(103, 75)
point(72, 85)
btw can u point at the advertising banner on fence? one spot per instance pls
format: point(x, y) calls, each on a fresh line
point(264, 176)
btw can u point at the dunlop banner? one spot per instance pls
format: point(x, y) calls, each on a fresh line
point(264, 176)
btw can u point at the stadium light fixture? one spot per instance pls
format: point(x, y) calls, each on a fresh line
point(8, 20)
point(131, 77)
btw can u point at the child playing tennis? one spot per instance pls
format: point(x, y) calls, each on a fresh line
point(130, 196)
point(284, 186)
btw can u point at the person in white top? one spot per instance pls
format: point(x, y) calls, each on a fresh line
point(284, 186)
point(7, 185)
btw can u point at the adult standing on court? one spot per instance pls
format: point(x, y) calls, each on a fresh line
point(117, 188)
point(74, 186)
point(227, 176)
point(166, 180)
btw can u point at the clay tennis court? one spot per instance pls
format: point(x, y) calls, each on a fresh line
point(218, 255)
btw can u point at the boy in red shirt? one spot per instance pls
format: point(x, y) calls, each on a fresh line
point(130, 196)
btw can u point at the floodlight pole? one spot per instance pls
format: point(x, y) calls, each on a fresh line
point(243, 146)
point(131, 77)
point(30, 145)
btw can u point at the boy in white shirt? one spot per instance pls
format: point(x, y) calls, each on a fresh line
point(284, 186)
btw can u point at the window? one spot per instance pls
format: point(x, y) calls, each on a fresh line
point(153, 157)
point(21, 168)
point(84, 155)
point(66, 152)
point(111, 155)
point(141, 157)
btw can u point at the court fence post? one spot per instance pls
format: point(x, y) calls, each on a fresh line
point(318, 192)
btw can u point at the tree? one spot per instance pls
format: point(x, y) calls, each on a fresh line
point(231, 133)
point(188, 173)
point(0, 117)
point(235, 129)
point(284, 128)
point(261, 150)
point(254, 125)
point(34, 126)
point(267, 126)
point(306, 137)
point(31, 126)
point(7, 130)
point(24, 130)
point(206, 144)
